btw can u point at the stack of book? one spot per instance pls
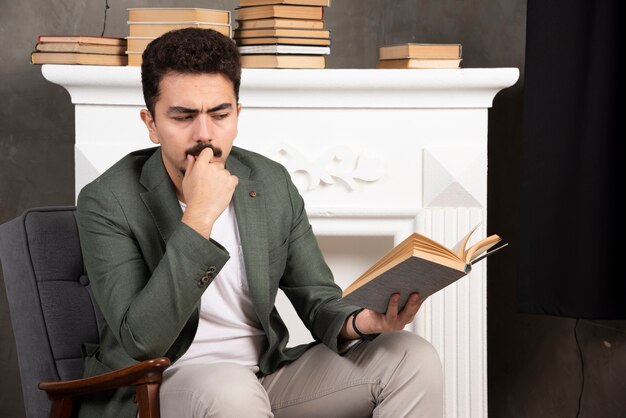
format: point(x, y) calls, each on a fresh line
point(420, 56)
point(146, 24)
point(89, 50)
point(282, 33)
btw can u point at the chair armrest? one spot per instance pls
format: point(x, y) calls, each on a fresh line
point(149, 371)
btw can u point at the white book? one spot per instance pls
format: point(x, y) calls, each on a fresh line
point(284, 49)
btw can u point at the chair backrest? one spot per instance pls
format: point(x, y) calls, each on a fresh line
point(52, 311)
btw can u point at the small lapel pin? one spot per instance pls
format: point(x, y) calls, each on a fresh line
point(252, 193)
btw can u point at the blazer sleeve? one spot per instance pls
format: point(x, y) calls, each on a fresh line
point(145, 310)
point(308, 281)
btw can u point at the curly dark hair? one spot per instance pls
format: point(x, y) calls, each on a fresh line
point(188, 51)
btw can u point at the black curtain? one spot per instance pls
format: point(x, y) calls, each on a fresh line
point(571, 249)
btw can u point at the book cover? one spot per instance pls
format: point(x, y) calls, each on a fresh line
point(77, 58)
point(79, 47)
point(138, 43)
point(324, 3)
point(134, 58)
point(414, 50)
point(284, 49)
point(97, 40)
point(273, 11)
point(284, 41)
point(417, 265)
point(178, 14)
point(280, 24)
point(156, 29)
point(283, 61)
point(290, 33)
point(411, 63)
point(414, 275)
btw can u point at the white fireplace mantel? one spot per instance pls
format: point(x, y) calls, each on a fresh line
point(377, 154)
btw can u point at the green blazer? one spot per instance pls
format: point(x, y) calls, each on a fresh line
point(146, 267)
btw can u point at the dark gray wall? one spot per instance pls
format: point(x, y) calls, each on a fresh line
point(534, 362)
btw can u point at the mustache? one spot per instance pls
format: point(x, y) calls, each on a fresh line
point(197, 149)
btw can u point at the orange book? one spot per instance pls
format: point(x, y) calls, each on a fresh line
point(96, 40)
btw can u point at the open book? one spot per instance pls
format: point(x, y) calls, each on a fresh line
point(418, 264)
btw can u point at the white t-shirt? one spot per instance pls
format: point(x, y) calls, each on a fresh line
point(229, 329)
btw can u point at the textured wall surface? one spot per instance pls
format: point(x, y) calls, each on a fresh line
point(534, 362)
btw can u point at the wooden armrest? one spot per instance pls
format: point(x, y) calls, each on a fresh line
point(149, 371)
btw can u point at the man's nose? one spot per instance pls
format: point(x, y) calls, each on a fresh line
point(202, 129)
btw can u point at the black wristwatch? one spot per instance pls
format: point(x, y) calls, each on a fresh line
point(366, 337)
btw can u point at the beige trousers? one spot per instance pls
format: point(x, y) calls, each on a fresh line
point(396, 375)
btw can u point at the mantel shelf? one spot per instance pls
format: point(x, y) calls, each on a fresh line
point(329, 88)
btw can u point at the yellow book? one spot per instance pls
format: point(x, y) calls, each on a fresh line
point(290, 33)
point(285, 41)
point(138, 43)
point(280, 24)
point(77, 58)
point(81, 39)
point(80, 47)
point(324, 3)
point(411, 63)
point(178, 14)
point(134, 58)
point(156, 29)
point(283, 61)
point(272, 11)
point(420, 51)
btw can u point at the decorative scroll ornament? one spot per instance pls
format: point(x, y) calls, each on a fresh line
point(338, 163)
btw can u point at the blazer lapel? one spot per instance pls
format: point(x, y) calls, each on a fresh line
point(250, 211)
point(160, 199)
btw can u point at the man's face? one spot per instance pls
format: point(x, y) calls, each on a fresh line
point(193, 111)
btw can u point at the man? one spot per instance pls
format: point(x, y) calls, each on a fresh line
point(186, 246)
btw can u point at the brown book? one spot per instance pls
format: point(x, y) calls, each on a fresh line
point(96, 40)
point(411, 63)
point(77, 58)
point(285, 41)
point(418, 264)
point(283, 61)
point(134, 59)
point(272, 11)
point(178, 14)
point(324, 3)
point(138, 43)
point(77, 47)
point(290, 33)
point(157, 29)
point(419, 51)
point(281, 24)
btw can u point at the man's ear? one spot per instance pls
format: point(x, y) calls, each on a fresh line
point(147, 118)
point(238, 108)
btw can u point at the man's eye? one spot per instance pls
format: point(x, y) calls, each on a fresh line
point(182, 118)
point(221, 116)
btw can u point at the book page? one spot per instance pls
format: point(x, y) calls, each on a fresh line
point(480, 247)
point(459, 248)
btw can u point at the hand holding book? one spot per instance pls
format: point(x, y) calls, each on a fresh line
point(367, 324)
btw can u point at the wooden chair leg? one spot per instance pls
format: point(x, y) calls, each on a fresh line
point(148, 400)
point(61, 408)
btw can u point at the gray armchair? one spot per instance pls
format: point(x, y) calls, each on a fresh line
point(53, 314)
